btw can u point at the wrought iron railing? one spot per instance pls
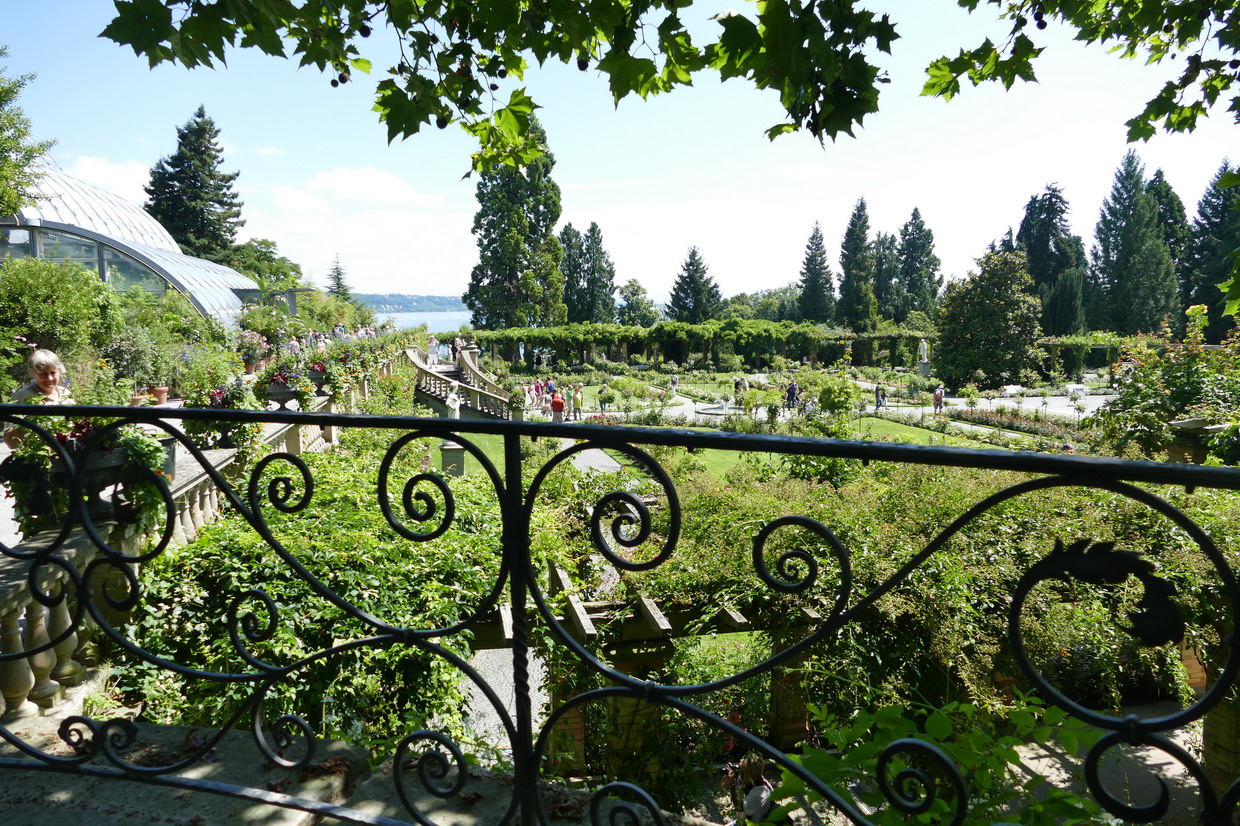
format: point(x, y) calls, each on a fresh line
point(83, 573)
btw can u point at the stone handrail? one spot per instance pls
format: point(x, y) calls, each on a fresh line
point(476, 391)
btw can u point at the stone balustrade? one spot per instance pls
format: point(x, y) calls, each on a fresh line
point(29, 624)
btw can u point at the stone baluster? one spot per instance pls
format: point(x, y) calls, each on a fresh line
point(16, 678)
point(66, 671)
point(46, 690)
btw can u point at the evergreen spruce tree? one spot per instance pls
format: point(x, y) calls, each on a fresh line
point(336, 284)
point(517, 281)
point(919, 267)
point(695, 295)
point(600, 282)
point(1051, 250)
point(1176, 234)
point(636, 309)
point(817, 299)
point(1131, 264)
point(888, 286)
point(191, 197)
point(1215, 234)
point(857, 308)
point(18, 153)
point(573, 268)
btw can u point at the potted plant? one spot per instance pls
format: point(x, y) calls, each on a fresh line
point(251, 346)
point(125, 458)
point(284, 381)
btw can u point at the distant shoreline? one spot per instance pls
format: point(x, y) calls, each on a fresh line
point(403, 303)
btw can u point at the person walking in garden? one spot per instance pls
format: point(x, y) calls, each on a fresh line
point(432, 350)
point(579, 400)
point(790, 398)
point(938, 399)
point(568, 403)
point(557, 407)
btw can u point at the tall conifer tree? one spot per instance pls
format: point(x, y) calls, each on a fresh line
point(695, 295)
point(600, 283)
point(1051, 251)
point(857, 308)
point(817, 297)
point(336, 283)
point(919, 266)
point(1176, 234)
point(573, 268)
point(1131, 265)
point(1215, 234)
point(517, 281)
point(190, 195)
point(888, 287)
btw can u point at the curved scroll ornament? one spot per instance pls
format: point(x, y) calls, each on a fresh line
point(796, 570)
point(914, 790)
point(281, 489)
point(631, 524)
point(623, 812)
point(418, 504)
point(441, 775)
point(1157, 622)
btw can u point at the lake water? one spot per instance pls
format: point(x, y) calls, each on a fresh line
point(437, 322)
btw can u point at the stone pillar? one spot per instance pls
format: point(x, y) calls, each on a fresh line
point(16, 678)
point(452, 458)
point(46, 691)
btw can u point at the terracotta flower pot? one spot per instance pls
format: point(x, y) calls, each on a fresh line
point(160, 394)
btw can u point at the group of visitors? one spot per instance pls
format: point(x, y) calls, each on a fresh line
point(880, 397)
point(433, 347)
point(560, 404)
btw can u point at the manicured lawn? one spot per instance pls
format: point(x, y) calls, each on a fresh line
point(870, 428)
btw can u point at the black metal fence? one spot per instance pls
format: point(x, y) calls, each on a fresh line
point(84, 573)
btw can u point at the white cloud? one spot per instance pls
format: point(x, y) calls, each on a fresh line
point(374, 186)
point(270, 151)
point(125, 180)
point(294, 199)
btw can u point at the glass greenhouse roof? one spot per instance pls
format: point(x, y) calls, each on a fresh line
point(72, 206)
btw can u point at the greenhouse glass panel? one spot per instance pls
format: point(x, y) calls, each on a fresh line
point(124, 274)
point(14, 243)
point(62, 246)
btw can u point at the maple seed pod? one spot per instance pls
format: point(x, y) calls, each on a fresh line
point(441, 122)
point(502, 73)
point(582, 64)
point(343, 78)
point(1235, 64)
point(335, 83)
point(494, 87)
point(363, 30)
point(1041, 24)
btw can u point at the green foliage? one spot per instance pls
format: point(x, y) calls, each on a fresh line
point(1168, 381)
point(191, 197)
point(695, 295)
point(18, 153)
point(517, 281)
point(1132, 266)
point(858, 306)
point(981, 745)
point(259, 259)
point(817, 283)
point(636, 309)
point(62, 307)
point(989, 323)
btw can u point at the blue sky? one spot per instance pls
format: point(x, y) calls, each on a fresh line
point(692, 168)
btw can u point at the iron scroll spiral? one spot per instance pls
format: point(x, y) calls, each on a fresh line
point(914, 790)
